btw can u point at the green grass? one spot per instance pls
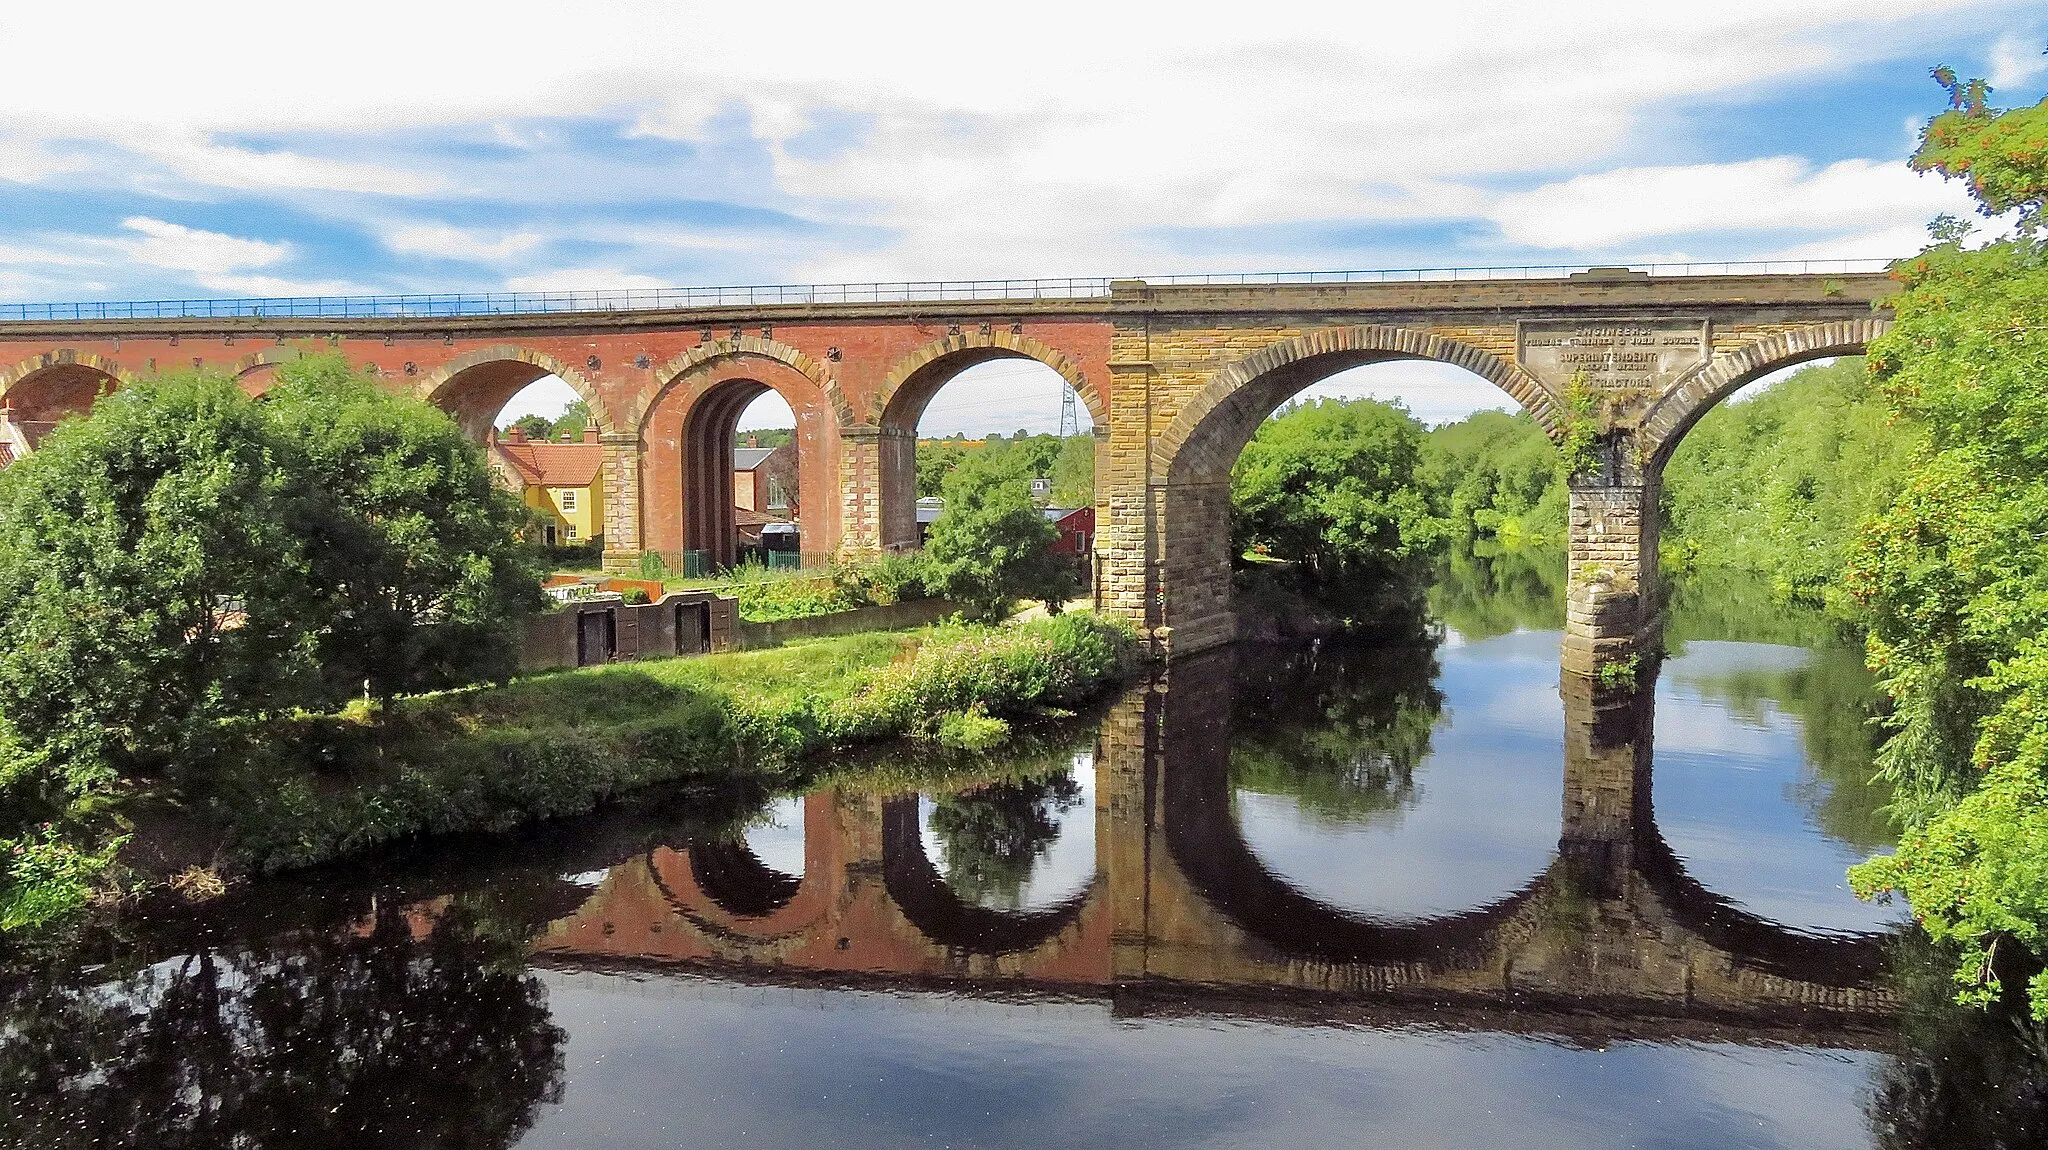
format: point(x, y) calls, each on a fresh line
point(487, 759)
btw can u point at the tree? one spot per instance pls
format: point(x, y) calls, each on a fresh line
point(571, 422)
point(1073, 472)
point(936, 459)
point(155, 575)
point(184, 556)
point(1954, 573)
point(1332, 486)
point(535, 426)
point(1496, 474)
point(991, 546)
point(420, 576)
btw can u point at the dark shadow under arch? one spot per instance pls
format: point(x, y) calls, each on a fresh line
point(732, 876)
point(920, 892)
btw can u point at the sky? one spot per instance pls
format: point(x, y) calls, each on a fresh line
point(256, 150)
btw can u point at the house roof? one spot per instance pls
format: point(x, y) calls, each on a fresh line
point(746, 517)
point(748, 458)
point(554, 464)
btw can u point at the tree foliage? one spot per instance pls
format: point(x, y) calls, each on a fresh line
point(1332, 486)
point(1779, 482)
point(185, 556)
point(991, 546)
point(1954, 574)
point(154, 561)
point(1498, 475)
point(417, 571)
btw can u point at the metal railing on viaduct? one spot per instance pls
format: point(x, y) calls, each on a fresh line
point(449, 304)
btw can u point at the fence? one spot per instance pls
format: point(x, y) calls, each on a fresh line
point(449, 305)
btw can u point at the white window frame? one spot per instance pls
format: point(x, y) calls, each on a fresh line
point(567, 498)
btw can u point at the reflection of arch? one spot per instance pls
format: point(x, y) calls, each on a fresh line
point(688, 421)
point(1210, 850)
point(739, 908)
point(44, 389)
point(921, 894)
point(1847, 960)
point(475, 386)
point(1210, 429)
point(1675, 413)
point(736, 879)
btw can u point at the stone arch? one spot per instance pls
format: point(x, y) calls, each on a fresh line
point(41, 390)
point(901, 398)
point(1187, 569)
point(686, 419)
point(965, 350)
point(475, 385)
point(1295, 363)
point(1674, 414)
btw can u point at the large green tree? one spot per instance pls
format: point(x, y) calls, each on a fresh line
point(1954, 573)
point(155, 572)
point(417, 570)
point(185, 556)
point(991, 545)
point(1332, 486)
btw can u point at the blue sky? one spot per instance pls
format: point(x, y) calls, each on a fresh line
point(245, 149)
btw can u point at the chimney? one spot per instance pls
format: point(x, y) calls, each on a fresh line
point(566, 437)
point(753, 441)
point(518, 434)
point(590, 433)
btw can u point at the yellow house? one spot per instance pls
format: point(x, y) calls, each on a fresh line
point(563, 481)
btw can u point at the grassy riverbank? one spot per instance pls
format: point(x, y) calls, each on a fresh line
point(319, 788)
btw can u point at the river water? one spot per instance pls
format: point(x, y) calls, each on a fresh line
point(1411, 893)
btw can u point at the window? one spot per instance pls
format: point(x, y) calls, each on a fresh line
point(572, 533)
point(777, 498)
point(568, 499)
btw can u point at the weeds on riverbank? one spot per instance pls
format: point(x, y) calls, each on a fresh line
point(323, 787)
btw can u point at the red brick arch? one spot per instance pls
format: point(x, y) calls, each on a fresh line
point(438, 385)
point(684, 421)
point(670, 374)
point(44, 389)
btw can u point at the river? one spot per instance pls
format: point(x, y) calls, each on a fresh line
point(1404, 893)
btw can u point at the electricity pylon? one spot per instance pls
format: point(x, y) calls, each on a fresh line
point(1070, 420)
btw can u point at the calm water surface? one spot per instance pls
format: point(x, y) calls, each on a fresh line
point(1408, 895)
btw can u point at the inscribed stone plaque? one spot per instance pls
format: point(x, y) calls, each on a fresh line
point(1612, 355)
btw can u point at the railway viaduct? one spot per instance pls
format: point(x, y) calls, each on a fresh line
point(1176, 377)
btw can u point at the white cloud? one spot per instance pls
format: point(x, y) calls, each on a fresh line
point(459, 243)
point(1081, 138)
point(582, 279)
point(244, 169)
point(1781, 193)
point(2016, 60)
point(175, 247)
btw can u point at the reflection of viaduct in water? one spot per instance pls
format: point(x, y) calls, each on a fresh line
point(1614, 939)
